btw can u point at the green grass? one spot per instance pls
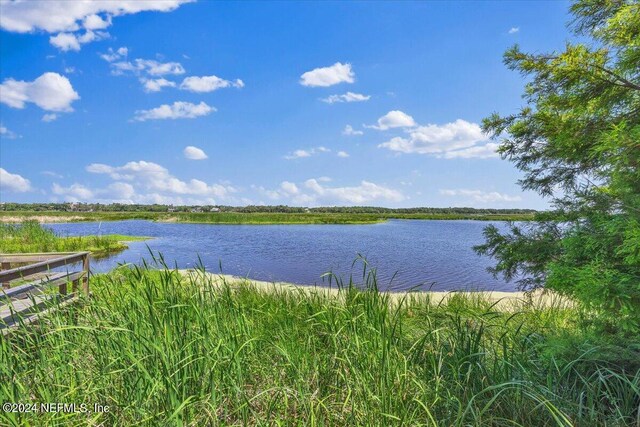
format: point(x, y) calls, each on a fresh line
point(30, 236)
point(260, 217)
point(163, 349)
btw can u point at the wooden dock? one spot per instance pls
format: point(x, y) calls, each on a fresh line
point(29, 283)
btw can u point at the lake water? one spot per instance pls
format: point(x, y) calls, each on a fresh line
point(430, 254)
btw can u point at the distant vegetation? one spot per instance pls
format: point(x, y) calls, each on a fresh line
point(30, 236)
point(250, 214)
point(160, 348)
point(118, 207)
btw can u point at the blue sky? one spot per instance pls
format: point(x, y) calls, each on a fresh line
point(308, 104)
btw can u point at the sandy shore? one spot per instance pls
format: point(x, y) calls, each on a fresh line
point(42, 218)
point(505, 301)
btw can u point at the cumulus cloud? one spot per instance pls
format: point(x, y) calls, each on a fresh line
point(50, 91)
point(72, 193)
point(150, 73)
point(312, 193)
point(6, 133)
point(451, 140)
point(289, 187)
point(113, 55)
point(514, 30)
point(194, 153)
point(349, 131)
point(208, 83)
point(149, 67)
point(75, 22)
point(297, 154)
point(346, 97)
point(148, 182)
point(394, 119)
point(71, 41)
point(343, 154)
point(156, 85)
point(13, 182)
point(480, 196)
point(366, 192)
point(49, 117)
point(177, 110)
point(328, 76)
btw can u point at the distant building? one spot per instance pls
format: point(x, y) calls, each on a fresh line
point(214, 210)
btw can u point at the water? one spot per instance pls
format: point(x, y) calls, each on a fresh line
point(430, 254)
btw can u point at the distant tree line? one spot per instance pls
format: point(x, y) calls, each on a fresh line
point(119, 207)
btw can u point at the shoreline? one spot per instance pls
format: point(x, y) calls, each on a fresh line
point(249, 218)
point(503, 300)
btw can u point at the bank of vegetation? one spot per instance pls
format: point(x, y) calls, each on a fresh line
point(162, 348)
point(120, 207)
point(30, 237)
point(315, 217)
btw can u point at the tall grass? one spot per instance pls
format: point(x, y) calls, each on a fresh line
point(30, 236)
point(164, 348)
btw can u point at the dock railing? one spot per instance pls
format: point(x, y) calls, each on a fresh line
point(28, 283)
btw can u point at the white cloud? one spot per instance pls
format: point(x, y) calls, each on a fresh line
point(343, 154)
point(148, 182)
point(480, 196)
point(114, 55)
point(346, 97)
point(208, 83)
point(52, 174)
point(297, 154)
point(50, 91)
point(73, 193)
point(485, 151)
point(96, 22)
point(348, 130)
point(366, 192)
point(394, 119)
point(194, 153)
point(289, 187)
point(69, 18)
point(313, 193)
point(328, 76)
point(156, 85)
point(514, 30)
point(13, 182)
point(451, 140)
point(148, 71)
point(177, 110)
point(49, 117)
point(149, 67)
point(71, 41)
point(6, 133)
point(121, 190)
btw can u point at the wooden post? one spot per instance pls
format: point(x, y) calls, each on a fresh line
point(5, 266)
point(85, 278)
